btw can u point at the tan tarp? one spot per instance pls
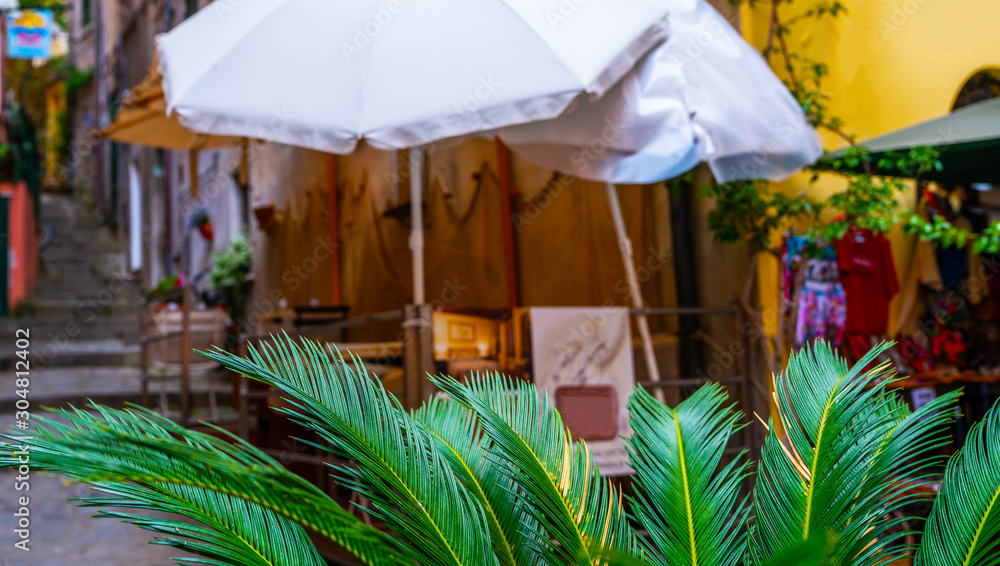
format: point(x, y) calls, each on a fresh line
point(567, 249)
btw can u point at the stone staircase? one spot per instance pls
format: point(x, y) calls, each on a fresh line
point(83, 318)
point(82, 315)
point(83, 308)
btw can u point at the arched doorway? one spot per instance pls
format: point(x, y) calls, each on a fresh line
point(982, 85)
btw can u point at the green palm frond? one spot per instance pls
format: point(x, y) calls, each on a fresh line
point(848, 462)
point(410, 484)
point(230, 531)
point(464, 444)
point(690, 507)
point(811, 552)
point(964, 525)
point(237, 492)
point(558, 486)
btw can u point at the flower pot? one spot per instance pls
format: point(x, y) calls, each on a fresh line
point(207, 230)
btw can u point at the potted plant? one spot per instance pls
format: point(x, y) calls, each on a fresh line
point(230, 267)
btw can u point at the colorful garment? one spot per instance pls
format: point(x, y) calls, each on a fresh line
point(916, 356)
point(947, 345)
point(822, 313)
point(791, 257)
point(869, 278)
point(822, 308)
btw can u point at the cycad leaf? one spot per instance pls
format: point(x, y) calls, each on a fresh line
point(688, 503)
point(230, 530)
point(964, 525)
point(400, 469)
point(457, 431)
point(848, 462)
point(810, 552)
point(558, 487)
point(232, 489)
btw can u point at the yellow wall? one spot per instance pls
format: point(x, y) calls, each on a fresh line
point(893, 63)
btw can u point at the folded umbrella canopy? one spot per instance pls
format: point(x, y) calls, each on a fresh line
point(325, 74)
point(703, 95)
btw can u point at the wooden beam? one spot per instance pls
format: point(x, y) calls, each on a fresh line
point(507, 226)
point(334, 196)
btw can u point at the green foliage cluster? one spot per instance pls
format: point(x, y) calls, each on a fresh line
point(231, 265)
point(164, 286)
point(31, 85)
point(750, 212)
point(230, 268)
point(487, 474)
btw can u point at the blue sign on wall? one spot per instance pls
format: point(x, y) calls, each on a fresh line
point(29, 34)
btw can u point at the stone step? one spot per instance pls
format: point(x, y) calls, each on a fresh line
point(69, 251)
point(56, 353)
point(70, 305)
point(125, 331)
point(124, 334)
point(112, 386)
point(119, 318)
point(77, 266)
point(99, 292)
point(62, 273)
point(86, 282)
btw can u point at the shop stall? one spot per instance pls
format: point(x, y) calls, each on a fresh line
point(948, 329)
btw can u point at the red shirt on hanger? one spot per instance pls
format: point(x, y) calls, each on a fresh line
point(869, 279)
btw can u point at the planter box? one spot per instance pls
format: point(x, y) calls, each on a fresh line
point(207, 329)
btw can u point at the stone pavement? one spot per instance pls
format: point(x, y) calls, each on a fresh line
point(63, 534)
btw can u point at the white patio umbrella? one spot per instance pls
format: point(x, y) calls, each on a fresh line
point(325, 74)
point(404, 75)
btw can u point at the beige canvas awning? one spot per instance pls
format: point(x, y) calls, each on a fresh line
point(149, 125)
point(142, 120)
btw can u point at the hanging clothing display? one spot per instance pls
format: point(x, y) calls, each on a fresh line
point(869, 278)
point(947, 345)
point(791, 256)
point(822, 307)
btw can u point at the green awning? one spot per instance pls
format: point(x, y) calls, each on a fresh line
point(968, 139)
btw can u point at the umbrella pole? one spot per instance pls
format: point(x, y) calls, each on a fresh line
point(625, 245)
point(417, 220)
point(331, 173)
point(419, 356)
